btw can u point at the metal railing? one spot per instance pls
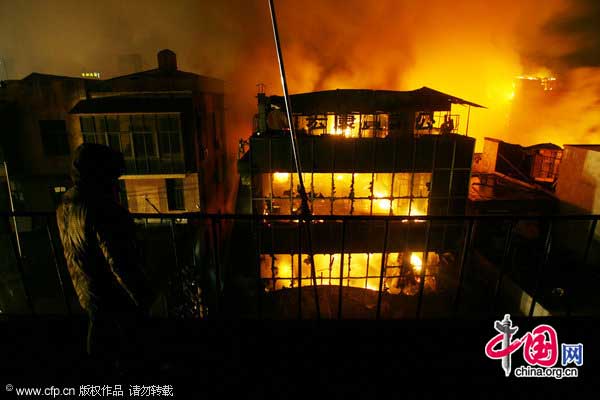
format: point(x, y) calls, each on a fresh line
point(210, 265)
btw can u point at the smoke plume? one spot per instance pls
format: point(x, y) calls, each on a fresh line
point(468, 48)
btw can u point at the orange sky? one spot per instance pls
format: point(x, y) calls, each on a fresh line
point(468, 48)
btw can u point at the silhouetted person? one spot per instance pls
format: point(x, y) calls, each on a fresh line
point(448, 125)
point(98, 237)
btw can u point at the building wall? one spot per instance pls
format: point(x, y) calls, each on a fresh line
point(206, 146)
point(155, 189)
point(578, 184)
point(487, 164)
point(578, 189)
point(36, 98)
point(42, 98)
point(45, 97)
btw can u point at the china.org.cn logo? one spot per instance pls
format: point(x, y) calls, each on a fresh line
point(540, 351)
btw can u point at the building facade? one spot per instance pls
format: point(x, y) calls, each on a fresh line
point(363, 153)
point(169, 125)
point(537, 164)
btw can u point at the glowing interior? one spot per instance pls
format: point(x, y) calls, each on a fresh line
point(360, 270)
point(349, 125)
point(346, 193)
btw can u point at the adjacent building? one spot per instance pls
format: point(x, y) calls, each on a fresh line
point(169, 125)
point(578, 190)
point(511, 179)
point(537, 164)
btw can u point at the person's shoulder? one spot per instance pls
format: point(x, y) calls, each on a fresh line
point(110, 211)
point(71, 195)
point(70, 200)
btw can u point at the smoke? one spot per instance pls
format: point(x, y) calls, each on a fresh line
point(468, 48)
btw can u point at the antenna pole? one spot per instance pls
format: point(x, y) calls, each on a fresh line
point(293, 140)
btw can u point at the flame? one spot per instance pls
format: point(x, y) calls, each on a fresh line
point(416, 262)
point(281, 177)
point(347, 132)
point(360, 270)
point(381, 203)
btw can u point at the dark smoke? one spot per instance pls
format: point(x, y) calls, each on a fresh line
point(470, 48)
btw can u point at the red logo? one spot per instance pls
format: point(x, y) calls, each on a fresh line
point(540, 346)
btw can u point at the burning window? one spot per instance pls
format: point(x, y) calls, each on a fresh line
point(344, 193)
point(429, 122)
point(351, 125)
point(402, 271)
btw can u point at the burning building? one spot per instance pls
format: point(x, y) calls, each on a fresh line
point(363, 153)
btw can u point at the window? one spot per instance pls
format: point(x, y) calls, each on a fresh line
point(92, 130)
point(144, 142)
point(175, 194)
point(345, 193)
point(169, 136)
point(54, 137)
point(434, 122)
point(149, 142)
point(354, 125)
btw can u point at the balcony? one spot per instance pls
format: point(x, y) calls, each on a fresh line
point(363, 267)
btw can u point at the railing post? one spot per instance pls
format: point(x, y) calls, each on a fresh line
point(463, 261)
point(586, 253)
point(382, 271)
point(542, 267)
point(342, 269)
point(57, 266)
point(174, 243)
point(216, 260)
point(590, 239)
point(504, 266)
point(19, 261)
point(259, 284)
point(299, 270)
point(423, 269)
point(313, 271)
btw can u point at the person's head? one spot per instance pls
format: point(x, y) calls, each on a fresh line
point(96, 167)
